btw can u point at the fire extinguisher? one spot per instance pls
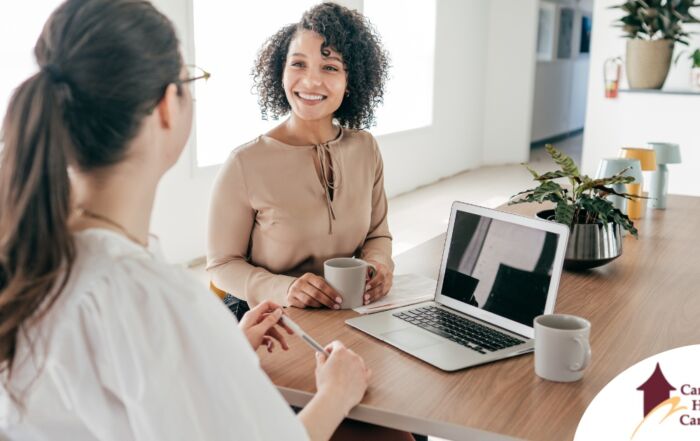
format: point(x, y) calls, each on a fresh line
point(612, 69)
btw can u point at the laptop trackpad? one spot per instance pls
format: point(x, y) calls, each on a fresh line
point(411, 338)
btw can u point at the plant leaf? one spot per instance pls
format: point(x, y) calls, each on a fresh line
point(523, 192)
point(622, 220)
point(534, 174)
point(564, 212)
point(597, 208)
point(552, 175)
point(565, 162)
point(547, 191)
point(603, 192)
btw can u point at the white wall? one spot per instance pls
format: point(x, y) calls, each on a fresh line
point(454, 141)
point(482, 113)
point(510, 71)
point(561, 85)
point(636, 118)
point(180, 212)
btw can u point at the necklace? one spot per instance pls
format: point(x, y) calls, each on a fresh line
point(92, 215)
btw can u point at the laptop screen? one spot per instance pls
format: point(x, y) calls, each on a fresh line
point(500, 267)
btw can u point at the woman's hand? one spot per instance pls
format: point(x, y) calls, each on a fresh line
point(313, 291)
point(379, 285)
point(342, 375)
point(259, 326)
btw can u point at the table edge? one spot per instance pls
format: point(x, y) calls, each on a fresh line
point(373, 415)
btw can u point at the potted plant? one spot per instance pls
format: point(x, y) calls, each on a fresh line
point(652, 28)
point(694, 68)
point(594, 222)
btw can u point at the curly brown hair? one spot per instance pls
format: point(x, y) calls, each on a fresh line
point(345, 31)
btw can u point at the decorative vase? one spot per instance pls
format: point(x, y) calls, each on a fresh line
point(590, 245)
point(648, 62)
point(695, 79)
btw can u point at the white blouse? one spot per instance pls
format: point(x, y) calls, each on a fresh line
point(134, 349)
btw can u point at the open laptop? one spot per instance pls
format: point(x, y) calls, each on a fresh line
point(499, 271)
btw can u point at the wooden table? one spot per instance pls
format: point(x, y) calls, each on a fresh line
point(645, 302)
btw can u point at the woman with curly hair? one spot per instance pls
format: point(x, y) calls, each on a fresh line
point(312, 188)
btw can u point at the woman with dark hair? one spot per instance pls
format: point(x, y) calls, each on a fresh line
point(99, 338)
point(312, 188)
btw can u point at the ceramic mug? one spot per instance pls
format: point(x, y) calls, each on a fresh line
point(348, 276)
point(562, 348)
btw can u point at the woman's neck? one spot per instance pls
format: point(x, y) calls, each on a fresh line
point(122, 196)
point(301, 132)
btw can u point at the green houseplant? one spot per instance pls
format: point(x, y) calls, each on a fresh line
point(695, 57)
point(694, 68)
point(595, 224)
point(652, 28)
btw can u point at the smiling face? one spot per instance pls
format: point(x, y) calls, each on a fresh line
point(314, 78)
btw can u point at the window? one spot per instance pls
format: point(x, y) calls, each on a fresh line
point(18, 35)
point(410, 41)
point(227, 37)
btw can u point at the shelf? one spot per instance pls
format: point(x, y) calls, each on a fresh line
point(662, 91)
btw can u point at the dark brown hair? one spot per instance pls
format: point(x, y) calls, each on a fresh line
point(104, 65)
point(350, 34)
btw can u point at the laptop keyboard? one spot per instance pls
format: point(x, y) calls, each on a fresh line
point(460, 330)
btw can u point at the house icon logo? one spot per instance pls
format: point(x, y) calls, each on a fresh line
point(658, 402)
point(656, 390)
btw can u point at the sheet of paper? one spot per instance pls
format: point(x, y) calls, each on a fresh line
point(406, 290)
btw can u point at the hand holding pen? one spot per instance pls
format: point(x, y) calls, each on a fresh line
point(340, 373)
point(339, 370)
point(260, 326)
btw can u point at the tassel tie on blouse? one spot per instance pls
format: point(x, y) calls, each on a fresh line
point(323, 151)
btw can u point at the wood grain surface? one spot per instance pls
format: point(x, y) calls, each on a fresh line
point(645, 302)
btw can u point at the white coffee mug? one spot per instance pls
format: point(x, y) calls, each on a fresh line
point(562, 349)
point(348, 276)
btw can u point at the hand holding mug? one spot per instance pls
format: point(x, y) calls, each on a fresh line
point(349, 277)
point(313, 291)
point(379, 284)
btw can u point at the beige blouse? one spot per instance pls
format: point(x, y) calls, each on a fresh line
point(272, 218)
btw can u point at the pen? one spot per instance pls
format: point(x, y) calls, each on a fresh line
point(301, 334)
